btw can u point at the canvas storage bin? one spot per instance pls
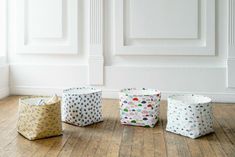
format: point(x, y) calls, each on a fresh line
point(82, 106)
point(189, 115)
point(140, 107)
point(39, 117)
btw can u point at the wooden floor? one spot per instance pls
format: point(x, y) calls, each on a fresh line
point(112, 139)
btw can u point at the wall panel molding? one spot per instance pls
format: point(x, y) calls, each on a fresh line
point(3, 28)
point(113, 93)
point(231, 29)
point(231, 45)
point(141, 31)
point(49, 26)
point(26, 79)
point(96, 59)
point(4, 80)
point(4, 68)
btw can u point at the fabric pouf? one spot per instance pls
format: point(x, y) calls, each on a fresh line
point(39, 120)
point(140, 107)
point(189, 115)
point(82, 106)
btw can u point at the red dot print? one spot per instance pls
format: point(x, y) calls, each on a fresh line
point(135, 99)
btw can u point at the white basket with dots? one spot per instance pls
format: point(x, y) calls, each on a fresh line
point(189, 115)
point(139, 107)
point(81, 106)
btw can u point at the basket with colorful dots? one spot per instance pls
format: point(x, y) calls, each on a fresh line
point(139, 107)
point(82, 106)
point(189, 115)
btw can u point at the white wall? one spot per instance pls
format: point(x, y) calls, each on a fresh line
point(4, 68)
point(177, 47)
point(4, 77)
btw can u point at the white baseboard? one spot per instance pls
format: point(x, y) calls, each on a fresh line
point(29, 90)
point(216, 97)
point(49, 79)
point(4, 92)
point(231, 73)
point(113, 94)
point(4, 80)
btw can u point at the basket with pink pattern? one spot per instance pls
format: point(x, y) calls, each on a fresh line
point(140, 107)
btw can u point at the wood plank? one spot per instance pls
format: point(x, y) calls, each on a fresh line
point(112, 139)
point(114, 146)
point(148, 146)
point(224, 140)
point(107, 132)
point(205, 147)
point(59, 144)
point(159, 140)
point(45, 145)
point(171, 146)
point(84, 147)
point(81, 146)
point(126, 143)
point(226, 123)
point(72, 140)
point(216, 146)
point(138, 142)
point(194, 148)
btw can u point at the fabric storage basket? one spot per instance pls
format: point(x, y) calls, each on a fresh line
point(140, 107)
point(82, 106)
point(39, 120)
point(189, 115)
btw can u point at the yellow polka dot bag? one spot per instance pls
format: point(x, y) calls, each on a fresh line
point(39, 117)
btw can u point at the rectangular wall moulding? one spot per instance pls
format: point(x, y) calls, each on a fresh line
point(231, 45)
point(162, 23)
point(231, 29)
point(96, 59)
point(49, 26)
point(3, 28)
point(164, 27)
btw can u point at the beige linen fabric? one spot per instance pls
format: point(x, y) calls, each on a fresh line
point(39, 121)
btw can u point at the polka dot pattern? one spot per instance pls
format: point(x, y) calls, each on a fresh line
point(140, 107)
point(189, 115)
point(81, 106)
